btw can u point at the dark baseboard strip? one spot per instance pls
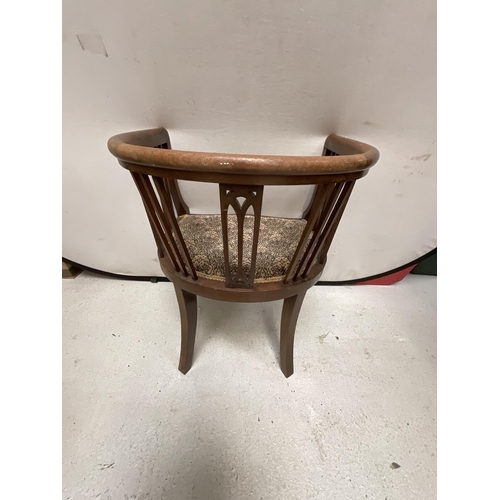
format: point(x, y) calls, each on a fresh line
point(155, 279)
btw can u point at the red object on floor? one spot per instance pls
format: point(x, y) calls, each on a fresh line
point(390, 279)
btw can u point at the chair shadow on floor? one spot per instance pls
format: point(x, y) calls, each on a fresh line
point(240, 324)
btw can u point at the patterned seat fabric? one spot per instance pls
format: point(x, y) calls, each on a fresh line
point(278, 239)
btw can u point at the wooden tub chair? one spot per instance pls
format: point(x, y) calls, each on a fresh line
point(242, 256)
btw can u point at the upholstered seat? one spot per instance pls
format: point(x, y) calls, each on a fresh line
point(278, 239)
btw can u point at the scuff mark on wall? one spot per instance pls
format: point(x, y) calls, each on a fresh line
point(421, 158)
point(93, 44)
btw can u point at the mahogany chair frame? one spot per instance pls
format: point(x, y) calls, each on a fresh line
point(156, 168)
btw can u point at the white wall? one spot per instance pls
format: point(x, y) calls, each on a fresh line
point(251, 77)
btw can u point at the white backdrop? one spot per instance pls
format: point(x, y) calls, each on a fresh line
point(268, 77)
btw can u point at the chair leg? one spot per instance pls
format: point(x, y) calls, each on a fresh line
point(188, 309)
point(289, 316)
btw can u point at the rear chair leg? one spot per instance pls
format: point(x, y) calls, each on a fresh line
point(188, 310)
point(289, 316)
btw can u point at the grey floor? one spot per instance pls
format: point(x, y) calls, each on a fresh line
point(362, 399)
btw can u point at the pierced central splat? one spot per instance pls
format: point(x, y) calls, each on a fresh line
point(241, 199)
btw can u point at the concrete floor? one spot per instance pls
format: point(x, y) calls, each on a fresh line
point(363, 396)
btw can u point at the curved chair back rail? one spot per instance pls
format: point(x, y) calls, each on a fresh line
point(245, 256)
point(343, 159)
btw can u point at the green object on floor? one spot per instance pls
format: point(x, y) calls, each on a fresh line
point(428, 266)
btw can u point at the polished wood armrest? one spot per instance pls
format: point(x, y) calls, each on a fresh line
point(141, 147)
